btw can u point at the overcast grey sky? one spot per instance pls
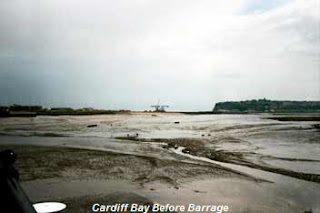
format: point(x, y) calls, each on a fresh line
point(130, 53)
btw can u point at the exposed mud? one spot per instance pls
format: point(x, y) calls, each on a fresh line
point(143, 156)
point(51, 162)
point(198, 147)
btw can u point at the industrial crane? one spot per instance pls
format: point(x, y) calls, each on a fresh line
point(159, 108)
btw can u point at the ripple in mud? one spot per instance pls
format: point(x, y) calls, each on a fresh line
point(80, 164)
point(198, 147)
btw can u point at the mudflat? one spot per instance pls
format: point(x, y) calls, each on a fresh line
point(247, 162)
point(80, 177)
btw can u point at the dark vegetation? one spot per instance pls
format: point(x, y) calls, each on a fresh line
point(200, 113)
point(83, 111)
point(264, 105)
point(18, 110)
point(311, 118)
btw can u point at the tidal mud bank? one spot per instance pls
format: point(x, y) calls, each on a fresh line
point(66, 171)
point(204, 159)
point(198, 147)
point(36, 162)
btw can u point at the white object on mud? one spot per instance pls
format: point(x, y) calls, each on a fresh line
point(49, 207)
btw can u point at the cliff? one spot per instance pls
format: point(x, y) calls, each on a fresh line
point(264, 105)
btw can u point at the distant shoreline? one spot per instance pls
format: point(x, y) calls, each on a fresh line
point(115, 112)
point(267, 106)
point(261, 106)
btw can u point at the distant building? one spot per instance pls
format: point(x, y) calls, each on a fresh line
point(4, 110)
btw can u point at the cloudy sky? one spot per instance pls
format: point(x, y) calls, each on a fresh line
point(130, 53)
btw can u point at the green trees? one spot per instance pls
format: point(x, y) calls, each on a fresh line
point(264, 105)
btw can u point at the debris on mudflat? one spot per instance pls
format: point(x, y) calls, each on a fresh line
point(92, 125)
point(186, 151)
point(177, 122)
point(316, 126)
point(132, 137)
point(170, 145)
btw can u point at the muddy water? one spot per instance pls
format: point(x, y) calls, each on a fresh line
point(284, 189)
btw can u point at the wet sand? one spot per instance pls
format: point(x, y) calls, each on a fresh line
point(80, 177)
point(131, 157)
